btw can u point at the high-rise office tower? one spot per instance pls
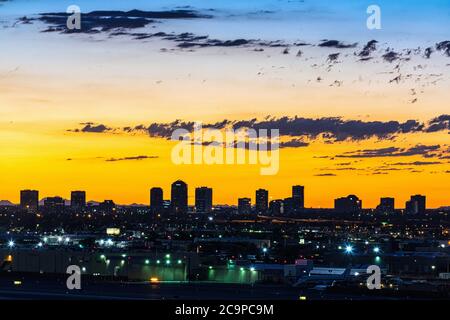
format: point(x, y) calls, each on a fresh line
point(387, 205)
point(298, 197)
point(78, 199)
point(156, 199)
point(416, 205)
point(203, 199)
point(29, 199)
point(244, 206)
point(261, 200)
point(179, 197)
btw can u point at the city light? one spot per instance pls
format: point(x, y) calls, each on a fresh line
point(11, 244)
point(154, 280)
point(158, 261)
point(40, 244)
point(376, 249)
point(252, 269)
point(147, 261)
point(264, 250)
point(179, 261)
point(348, 249)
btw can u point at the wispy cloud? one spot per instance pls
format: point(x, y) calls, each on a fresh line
point(134, 158)
point(391, 152)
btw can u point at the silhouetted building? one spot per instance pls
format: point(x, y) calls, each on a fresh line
point(54, 203)
point(156, 199)
point(179, 197)
point(203, 199)
point(349, 204)
point(29, 199)
point(298, 197)
point(416, 205)
point(261, 200)
point(387, 205)
point(78, 199)
point(288, 205)
point(276, 207)
point(244, 206)
point(107, 206)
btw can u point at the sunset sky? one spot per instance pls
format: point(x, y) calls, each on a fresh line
point(70, 104)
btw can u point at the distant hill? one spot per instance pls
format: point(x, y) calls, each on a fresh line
point(6, 203)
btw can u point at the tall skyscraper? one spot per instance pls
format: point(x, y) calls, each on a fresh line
point(349, 204)
point(244, 206)
point(298, 197)
point(156, 199)
point(203, 199)
point(179, 197)
point(261, 200)
point(29, 199)
point(387, 205)
point(416, 205)
point(78, 199)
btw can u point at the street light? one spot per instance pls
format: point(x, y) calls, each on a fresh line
point(11, 244)
point(376, 249)
point(348, 249)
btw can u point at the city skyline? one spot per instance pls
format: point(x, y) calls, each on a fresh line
point(261, 200)
point(362, 113)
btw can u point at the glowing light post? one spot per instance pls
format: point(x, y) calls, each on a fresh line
point(11, 244)
point(349, 252)
point(264, 250)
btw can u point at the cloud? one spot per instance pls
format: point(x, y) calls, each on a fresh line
point(131, 158)
point(101, 21)
point(294, 143)
point(439, 123)
point(390, 152)
point(331, 129)
point(325, 175)
point(337, 44)
point(91, 127)
point(335, 129)
point(415, 163)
